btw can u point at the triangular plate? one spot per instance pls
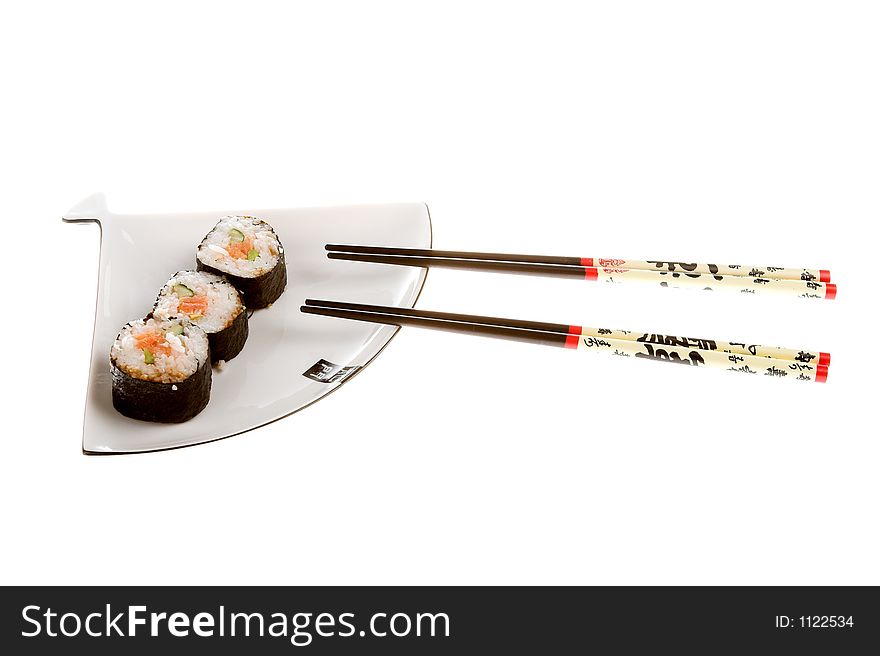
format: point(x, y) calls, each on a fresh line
point(266, 381)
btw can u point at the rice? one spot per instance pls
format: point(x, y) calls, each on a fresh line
point(221, 249)
point(224, 302)
point(170, 358)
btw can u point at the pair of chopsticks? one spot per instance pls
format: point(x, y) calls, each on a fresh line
point(801, 283)
point(796, 364)
point(779, 362)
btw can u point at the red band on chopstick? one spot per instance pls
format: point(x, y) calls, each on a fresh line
point(586, 261)
point(824, 275)
point(824, 359)
point(591, 273)
point(573, 337)
point(821, 373)
point(830, 291)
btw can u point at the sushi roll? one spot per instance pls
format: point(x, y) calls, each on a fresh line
point(248, 252)
point(211, 303)
point(160, 370)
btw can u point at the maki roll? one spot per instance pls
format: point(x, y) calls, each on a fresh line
point(160, 370)
point(247, 251)
point(211, 303)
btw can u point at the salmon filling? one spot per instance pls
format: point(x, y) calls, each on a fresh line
point(241, 250)
point(194, 307)
point(154, 342)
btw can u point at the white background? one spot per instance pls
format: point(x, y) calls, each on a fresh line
point(745, 132)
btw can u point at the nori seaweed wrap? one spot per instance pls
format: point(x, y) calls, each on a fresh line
point(213, 304)
point(160, 370)
point(247, 251)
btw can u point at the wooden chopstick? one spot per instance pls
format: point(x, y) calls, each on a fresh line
point(675, 279)
point(514, 330)
point(778, 273)
point(699, 343)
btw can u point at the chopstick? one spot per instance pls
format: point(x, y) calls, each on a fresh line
point(553, 335)
point(779, 273)
point(565, 267)
point(698, 343)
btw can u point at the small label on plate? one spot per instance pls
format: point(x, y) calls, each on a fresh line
point(325, 371)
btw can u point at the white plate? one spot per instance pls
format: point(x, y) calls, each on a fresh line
point(265, 382)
